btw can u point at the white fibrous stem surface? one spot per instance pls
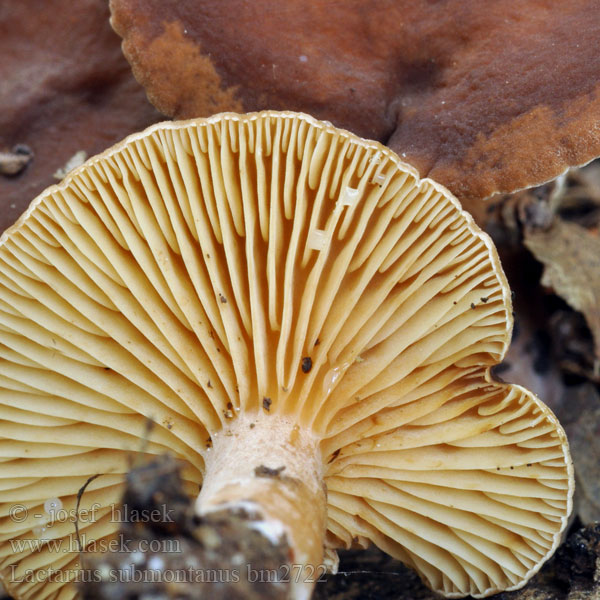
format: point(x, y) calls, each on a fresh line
point(269, 468)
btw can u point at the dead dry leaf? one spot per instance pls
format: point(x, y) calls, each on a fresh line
point(571, 258)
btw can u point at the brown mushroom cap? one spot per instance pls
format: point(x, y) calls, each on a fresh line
point(482, 98)
point(64, 87)
point(270, 264)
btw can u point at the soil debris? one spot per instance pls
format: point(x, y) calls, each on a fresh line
point(14, 162)
point(222, 556)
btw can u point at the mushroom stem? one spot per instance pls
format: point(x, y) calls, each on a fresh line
point(268, 469)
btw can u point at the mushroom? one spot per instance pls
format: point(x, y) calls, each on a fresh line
point(507, 94)
point(311, 327)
